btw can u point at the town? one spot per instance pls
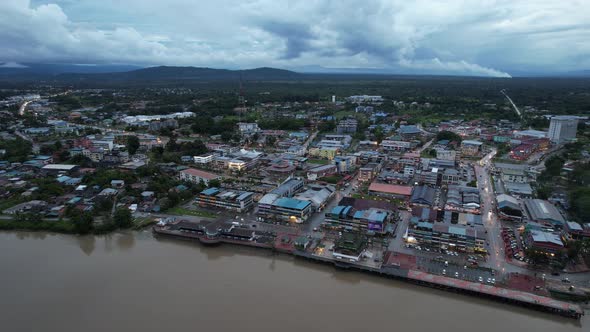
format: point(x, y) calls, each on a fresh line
point(493, 206)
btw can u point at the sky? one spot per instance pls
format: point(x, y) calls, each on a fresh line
point(494, 38)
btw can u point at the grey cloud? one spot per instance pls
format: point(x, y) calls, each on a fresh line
point(488, 37)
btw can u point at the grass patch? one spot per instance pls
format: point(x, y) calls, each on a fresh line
point(139, 223)
point(8, 203)
point(180, 211)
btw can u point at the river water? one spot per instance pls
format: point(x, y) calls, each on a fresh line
point(135, 282)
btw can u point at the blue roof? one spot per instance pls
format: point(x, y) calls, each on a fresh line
point(337, 209)
point(411, 129)
point(291, 203)
point(63, 178)
point(210, 191)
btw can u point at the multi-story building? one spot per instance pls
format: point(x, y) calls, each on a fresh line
point(246, 128)
point(272, 207)
point(563, 128)
point(344, 164)
point(320, 172)
point(446, 236)
point(233, 200)
point(397, 146)
point(371, 220)
point(368, 172)
point(347, 126)
point(471, 147)
point(203, 159)
point(196, 176)
point(443, 154)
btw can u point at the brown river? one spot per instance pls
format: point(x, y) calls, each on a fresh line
point(135, 282)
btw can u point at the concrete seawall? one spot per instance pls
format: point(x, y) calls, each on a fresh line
point(505, 295)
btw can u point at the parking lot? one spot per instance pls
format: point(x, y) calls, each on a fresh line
point(454, 269)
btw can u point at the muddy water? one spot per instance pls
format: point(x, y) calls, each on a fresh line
point(135, 282)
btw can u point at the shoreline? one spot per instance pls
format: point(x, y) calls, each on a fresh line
point(513, 297)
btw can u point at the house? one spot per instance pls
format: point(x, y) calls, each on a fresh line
point(471, 147)
point(196, 176)
point(117, 184)
point(423, 195)
point(320, 172)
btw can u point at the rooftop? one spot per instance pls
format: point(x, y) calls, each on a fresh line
point(391, 189)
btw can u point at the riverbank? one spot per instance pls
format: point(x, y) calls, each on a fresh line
point(217, 233)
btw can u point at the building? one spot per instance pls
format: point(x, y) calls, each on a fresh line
point(320, 172)
point(239, 201)
point(344, 164)
point(544, 242)
point(577, 231)
point(371, 220)
point(324, 152)
point(395, 146)
point(423, 195)
point(59, 168)
point(446, 237)
point(368, 172)
point(563, 128)
point(443, 154)
point(462, 198)
point(508, 208)
point(245, 128)
point(409, 131)
point(203, 159)
point(471, 147)
point(350, 246)
point(346, 126)
point(272, 207)
point(542, 211)
point(196, 176)
point(396, 191)
point(317, 195)
point(288, 188)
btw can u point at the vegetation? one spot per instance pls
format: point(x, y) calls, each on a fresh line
point(17, 150)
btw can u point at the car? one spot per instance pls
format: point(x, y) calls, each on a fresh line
point(480, 279)
point(489, 280)
point(565, 280)
point(444, 272)
point(446, 263)
point(315, 229)
point(456, 274)
point(493, 281)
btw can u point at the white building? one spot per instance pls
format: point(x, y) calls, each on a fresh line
point(248, 128)
point(563, 128)
point(203, 159)
point(389, 145)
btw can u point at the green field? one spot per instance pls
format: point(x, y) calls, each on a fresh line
point(186, 212)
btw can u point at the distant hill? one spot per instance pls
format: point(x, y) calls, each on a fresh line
point(113, 74)
point(166, 73)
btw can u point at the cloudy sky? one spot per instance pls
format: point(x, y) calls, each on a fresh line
point(469, 37)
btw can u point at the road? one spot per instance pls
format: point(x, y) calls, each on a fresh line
point(503, 91)
point(425, 146)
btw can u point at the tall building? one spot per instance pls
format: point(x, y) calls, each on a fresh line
point(563, 128)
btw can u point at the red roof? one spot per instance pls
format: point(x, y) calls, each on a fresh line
point(391, 189)
point(199, 173)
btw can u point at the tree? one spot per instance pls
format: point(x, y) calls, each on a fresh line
point(448, 135)
point(123, 218)
point(132, 144)
point(82, 221)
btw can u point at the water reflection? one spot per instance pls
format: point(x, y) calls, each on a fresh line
point(191, 283)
